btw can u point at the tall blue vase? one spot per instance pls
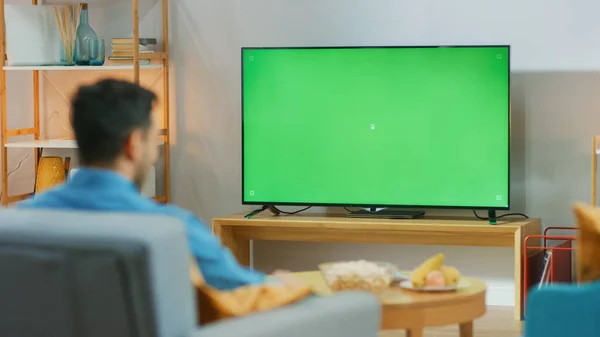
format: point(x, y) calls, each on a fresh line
point(63, 57)
point(85, 33)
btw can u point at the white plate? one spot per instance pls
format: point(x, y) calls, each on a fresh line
point(408, 285)
point(401, 276)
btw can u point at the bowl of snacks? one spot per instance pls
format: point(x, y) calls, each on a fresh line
point(358, 275)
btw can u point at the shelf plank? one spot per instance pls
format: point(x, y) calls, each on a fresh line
point(50, 144)
point(82, 68)
point(17, 198)
point(160, 199)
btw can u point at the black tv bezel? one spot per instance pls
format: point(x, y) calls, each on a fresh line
point(279, 203)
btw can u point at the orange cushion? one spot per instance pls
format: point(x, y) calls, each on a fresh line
point(216, 304)
point(588, 242)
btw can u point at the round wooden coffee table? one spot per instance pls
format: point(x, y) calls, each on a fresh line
point(413, 311)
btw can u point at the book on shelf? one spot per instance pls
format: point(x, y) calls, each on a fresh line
point(122, 40)
point(119, 60)
point(122, 47)
point(129, 48)
point(144, 55)
point(125, 47)
point(130, 52)
point(129, 40)
point(127, 44)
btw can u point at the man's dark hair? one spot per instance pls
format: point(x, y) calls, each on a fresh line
point(105, 114)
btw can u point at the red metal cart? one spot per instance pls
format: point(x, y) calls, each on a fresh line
point(548, 259)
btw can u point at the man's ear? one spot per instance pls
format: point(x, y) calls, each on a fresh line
point(129, 146)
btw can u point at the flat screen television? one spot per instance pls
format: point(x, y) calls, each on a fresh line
point(395, 127)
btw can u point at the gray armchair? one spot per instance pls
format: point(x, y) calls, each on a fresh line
point(73, 274)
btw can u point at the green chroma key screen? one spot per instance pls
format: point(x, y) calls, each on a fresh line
point(406, 126)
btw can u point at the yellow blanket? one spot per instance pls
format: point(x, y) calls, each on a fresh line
point(215, 304)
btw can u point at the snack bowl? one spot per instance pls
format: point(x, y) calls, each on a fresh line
point(358, 275)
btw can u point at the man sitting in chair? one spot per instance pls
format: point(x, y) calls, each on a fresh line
point(117, 144)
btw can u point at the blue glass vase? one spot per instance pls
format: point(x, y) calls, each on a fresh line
point(96, 52)
point(85, 33)
point(63, 57)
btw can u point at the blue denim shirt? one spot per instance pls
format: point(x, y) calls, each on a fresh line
point(106, 191)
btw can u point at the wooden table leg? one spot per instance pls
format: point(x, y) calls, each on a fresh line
point(534, 228)
point(239, 246)
point(415, 332)
point(518, 274)
point(466, 329)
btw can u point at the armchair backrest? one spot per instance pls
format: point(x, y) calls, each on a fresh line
point(75, 274)
point(564, 310)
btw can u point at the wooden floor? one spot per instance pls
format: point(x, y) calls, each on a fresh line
point(497, 322)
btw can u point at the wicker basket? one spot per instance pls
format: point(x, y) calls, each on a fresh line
point(51, 172)
point(355, 282)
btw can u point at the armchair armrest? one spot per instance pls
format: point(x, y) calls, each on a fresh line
point(345, 315)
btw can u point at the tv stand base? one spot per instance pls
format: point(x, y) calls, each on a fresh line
point(492, 217)
point(271, 208)
point(386, 214)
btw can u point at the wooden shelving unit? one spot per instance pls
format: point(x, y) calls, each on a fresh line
point(37, 144)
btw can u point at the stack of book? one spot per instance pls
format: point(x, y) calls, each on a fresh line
point(122, 50)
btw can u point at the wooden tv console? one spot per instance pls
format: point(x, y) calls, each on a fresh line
point(236, 232)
